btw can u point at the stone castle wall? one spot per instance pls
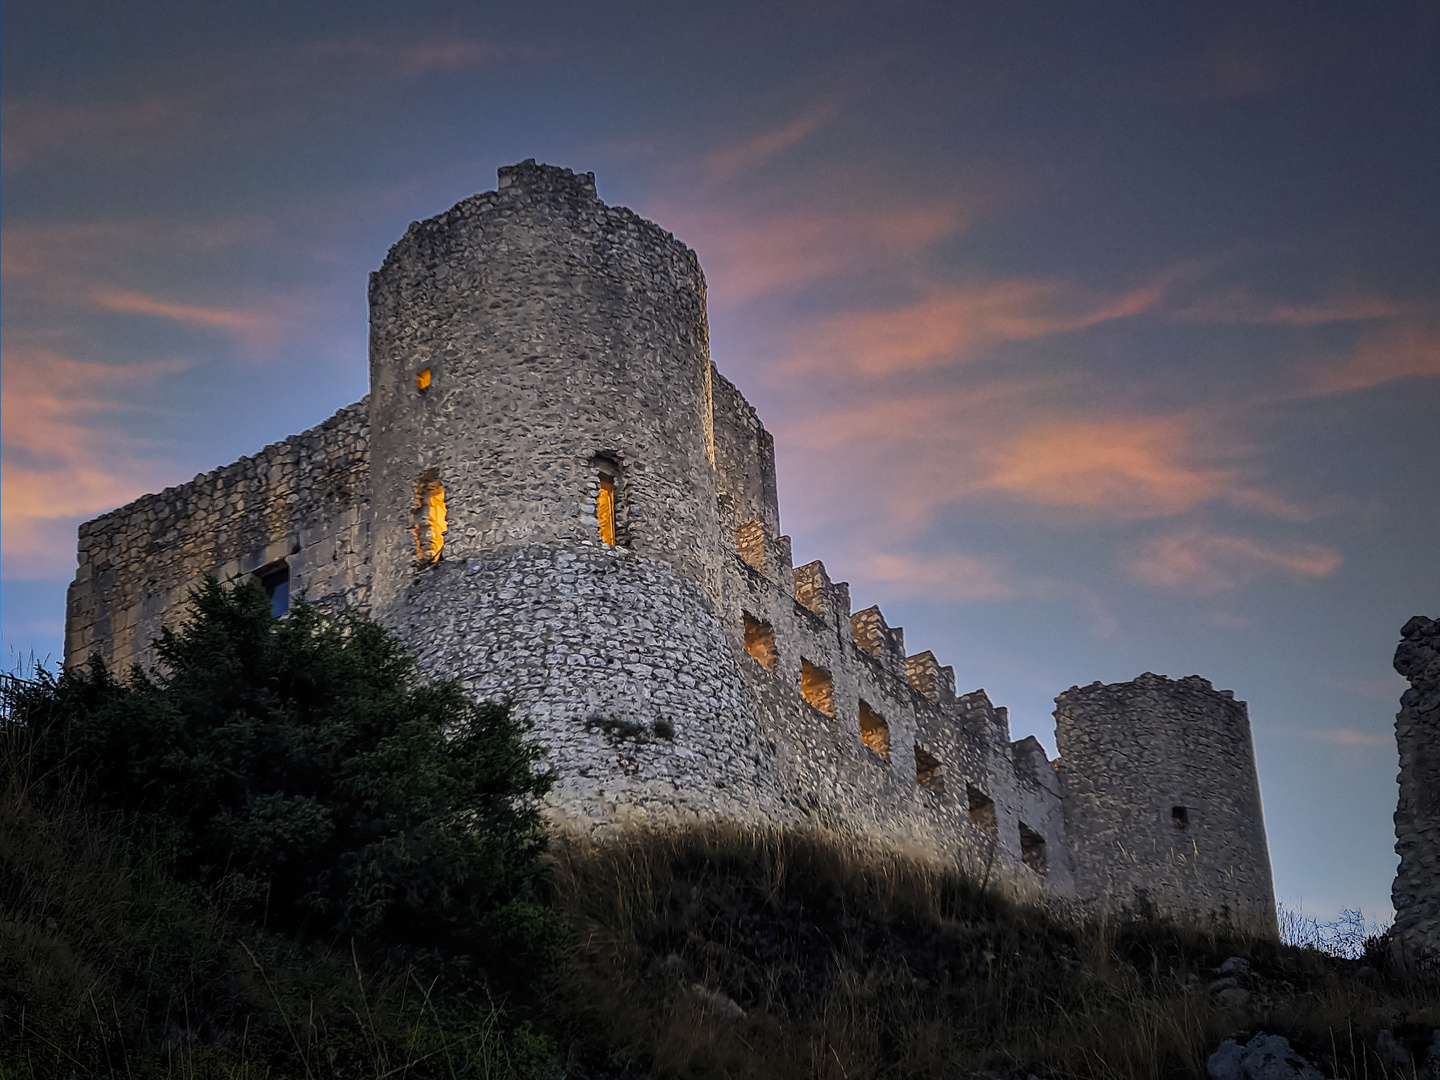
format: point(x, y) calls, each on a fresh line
point(528, 347)
point(1416, 892)
point(302, 501)
point(1161, 800)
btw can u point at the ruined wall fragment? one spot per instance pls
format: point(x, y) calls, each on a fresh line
point(1416, 892)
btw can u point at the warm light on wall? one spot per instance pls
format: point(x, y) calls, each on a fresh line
point(427, 515)
point(874, 731)
point(605, 508)
point(817, 687)
point(422, 380)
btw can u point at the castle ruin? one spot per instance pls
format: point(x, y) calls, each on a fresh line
point(551, 493)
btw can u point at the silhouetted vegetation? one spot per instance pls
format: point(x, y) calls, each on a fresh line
point(286, 856)
point(285, 788)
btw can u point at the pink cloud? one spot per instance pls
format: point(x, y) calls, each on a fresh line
point(31, 130)
point(935, 577)
point(133, 303)
point(953, 324)
point(1239, 306)
point(746, 256)
point(411, 58)
point(720, 166)
point(1202, 561)
point(63, 462)
point(1350, 738)
point(1127, 468)
point(1406, 350)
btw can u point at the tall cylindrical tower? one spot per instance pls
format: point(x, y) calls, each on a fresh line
point(1162, 803)
point(543, 493)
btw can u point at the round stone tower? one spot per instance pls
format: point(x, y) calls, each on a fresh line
point(1162, 804)
point(543, 494)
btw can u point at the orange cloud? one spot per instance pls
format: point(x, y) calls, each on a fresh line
point(79, 265)
point(746, 257)
point(1125, 468)
point(1349, 737)
point(132, 303)
point(1405, 351)
point(31, 130)
point(731, 161)
point(952, 324)
point(940, 577)
point(411, 59)
point(1241, 307)
point(62, 463)
point(1202, 561)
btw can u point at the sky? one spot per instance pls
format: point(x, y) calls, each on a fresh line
point(1096, 338)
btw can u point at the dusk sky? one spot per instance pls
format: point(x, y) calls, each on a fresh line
point(1096, 338)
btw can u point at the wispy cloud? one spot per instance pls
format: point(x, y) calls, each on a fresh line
point(63, 461)
point(1201, 561)
point(952, 324)
point(1127, 468)
point(134, 303)
point(94, 265)
point(414, 57)
point(748, 255)
point(1239, 305)
point(728, 162)
point(1405, 350)
point(949, 577)
point(31, 130)
point(211, 98)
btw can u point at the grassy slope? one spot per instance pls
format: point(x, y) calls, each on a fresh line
point(847, 962)
point(854, 963)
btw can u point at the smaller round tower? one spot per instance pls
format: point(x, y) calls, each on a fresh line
point(1161, 800)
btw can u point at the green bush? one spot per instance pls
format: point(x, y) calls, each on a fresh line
point(305, 755)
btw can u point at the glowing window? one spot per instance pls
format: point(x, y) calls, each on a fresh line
point(927, 772)
point(874, 731)
point(760, 641)
point(982, 811)
point(817, 687)
point(427, 516)
point(422, 380)
point(605, 508)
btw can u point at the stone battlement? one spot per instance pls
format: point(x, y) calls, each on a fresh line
point(552, 495)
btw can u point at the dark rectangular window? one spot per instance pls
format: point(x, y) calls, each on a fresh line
point(275, 580)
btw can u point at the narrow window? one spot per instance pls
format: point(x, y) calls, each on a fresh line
point(760, 641)
point(817, 687)
point(422, 380)
point(982, 811)
point(1032, 849)
point(927, 772)
point(275, 580)
point(1180, 817)
point(427, 517)
point(750, 541)
point(874, 731)
point(605, 507)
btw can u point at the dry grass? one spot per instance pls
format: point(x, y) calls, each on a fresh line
point(853, 963)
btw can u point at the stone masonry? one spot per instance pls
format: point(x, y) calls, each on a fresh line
point(552, 495)
point(1162, 806)
point(1416, 892)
